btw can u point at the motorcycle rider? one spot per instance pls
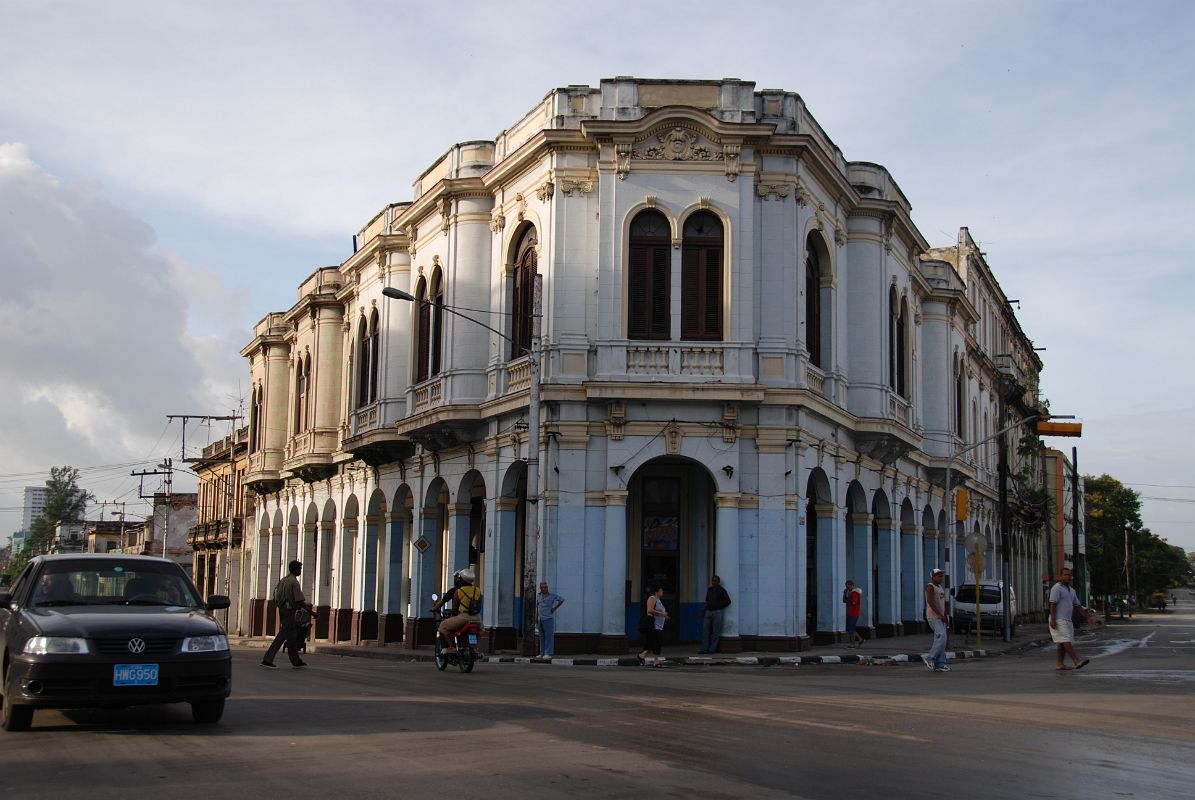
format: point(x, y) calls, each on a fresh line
point(466, 605)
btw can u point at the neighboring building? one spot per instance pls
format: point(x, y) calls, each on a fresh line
point(753, 365)
point(19, 540)
point(35, 506)
point(69, 537)
point(216, 538)
point(165, 531)
point(106, 536)
point(1060, 486)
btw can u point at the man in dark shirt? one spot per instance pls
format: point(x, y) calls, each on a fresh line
point(716, 601)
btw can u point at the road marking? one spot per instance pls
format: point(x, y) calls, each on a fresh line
point(1162, 675)
point(770, 716)
point(1115, 646)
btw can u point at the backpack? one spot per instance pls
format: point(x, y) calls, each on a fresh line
point(468, 600)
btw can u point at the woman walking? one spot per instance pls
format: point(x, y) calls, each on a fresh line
point(655, 635)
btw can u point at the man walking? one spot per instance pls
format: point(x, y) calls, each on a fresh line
point(288, 596)
point(1063, 603)
point(717, 599)
point(852, 595)
point(546, 604)
point(935, 614)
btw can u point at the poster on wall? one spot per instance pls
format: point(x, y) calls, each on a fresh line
point(661, 533)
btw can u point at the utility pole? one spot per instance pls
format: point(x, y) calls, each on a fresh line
point(1080, 562)
point(166, 468)
point(202, 581)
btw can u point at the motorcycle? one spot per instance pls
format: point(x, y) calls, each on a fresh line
point(465, 641)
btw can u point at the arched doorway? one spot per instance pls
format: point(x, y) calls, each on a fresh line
point(670, 538)
point(821, 614)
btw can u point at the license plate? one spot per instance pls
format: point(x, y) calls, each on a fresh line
point(135, 675)
point(473, 638)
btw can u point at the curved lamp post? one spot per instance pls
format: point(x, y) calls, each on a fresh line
point(531, 524)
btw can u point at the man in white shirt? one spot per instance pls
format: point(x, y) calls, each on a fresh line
point(1063, 602)
point(935, 615)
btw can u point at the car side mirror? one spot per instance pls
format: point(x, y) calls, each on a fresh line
point(5, 600)
point(216, 602)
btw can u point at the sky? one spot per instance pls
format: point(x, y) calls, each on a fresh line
point(170, 171)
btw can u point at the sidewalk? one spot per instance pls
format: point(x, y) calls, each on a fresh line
point(893, 650)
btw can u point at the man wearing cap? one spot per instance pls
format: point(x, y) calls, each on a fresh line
point(935, 614)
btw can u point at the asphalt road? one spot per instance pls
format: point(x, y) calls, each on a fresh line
point(1005, 727)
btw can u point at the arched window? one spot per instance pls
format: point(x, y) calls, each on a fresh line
point(701, 278)
point(437, 322)
point(813, 303)
point(302, 387)
point(255, 419)
point(902, 350)
point(649, 278)
point(523, 302)
point(367, 361)
point(423, 332)
point(960, 391)
point(892, 335)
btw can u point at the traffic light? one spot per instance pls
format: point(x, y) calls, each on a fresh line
point(1045, 428)
point(962, 505)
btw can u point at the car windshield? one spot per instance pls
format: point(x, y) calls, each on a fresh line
point(72, 583)
point(987, 594)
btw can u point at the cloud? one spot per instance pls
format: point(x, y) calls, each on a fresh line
point(99, 327)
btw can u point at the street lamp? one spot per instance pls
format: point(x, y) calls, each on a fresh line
point(949, 494)
point(531, 522)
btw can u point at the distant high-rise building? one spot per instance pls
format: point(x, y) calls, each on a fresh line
point(35, 505)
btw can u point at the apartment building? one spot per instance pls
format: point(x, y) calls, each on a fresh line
point(753, 365)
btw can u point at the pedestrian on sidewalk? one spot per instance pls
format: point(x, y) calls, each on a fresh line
point(654, 641)
point(1064, 602)
point(288, 597)
point(717, 600)
point(852, 595)
point(936, 616)
point(546, 604)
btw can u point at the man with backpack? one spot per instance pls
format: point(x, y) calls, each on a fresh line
point(288, 597)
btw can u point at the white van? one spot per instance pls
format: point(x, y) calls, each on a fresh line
point(991, 605)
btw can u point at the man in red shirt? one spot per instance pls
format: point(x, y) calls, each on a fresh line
point(852, 595)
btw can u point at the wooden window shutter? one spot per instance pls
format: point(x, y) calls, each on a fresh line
point(639, 301)
point(422, 352)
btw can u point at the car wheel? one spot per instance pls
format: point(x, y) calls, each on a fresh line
point(207, 711)
point(14, 717)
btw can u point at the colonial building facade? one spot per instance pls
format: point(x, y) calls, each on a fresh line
point(753, 365)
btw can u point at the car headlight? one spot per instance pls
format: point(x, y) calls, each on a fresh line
point(205, 644)
point(55, 645)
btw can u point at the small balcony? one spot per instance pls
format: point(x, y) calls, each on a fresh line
point(264, 474)
point(372, 442)
point(214, 535)
point(309, 455)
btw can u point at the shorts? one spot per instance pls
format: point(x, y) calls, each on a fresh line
point(852, 624)
point(1063, 631)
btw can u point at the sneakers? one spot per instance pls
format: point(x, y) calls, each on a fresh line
point(942, 669)
point(926, 661)
point(300, 664)
point(268, 665)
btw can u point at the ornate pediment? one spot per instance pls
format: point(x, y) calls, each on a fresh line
point(680, 140)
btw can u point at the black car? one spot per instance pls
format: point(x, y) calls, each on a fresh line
point(92, 630)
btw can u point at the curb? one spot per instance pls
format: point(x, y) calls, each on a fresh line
point(892, 659)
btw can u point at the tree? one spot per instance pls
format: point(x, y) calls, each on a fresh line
point(1112, 509)
point(1121, 552)
point(65, 502)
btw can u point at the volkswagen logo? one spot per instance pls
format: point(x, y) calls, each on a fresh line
point(136, 645)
